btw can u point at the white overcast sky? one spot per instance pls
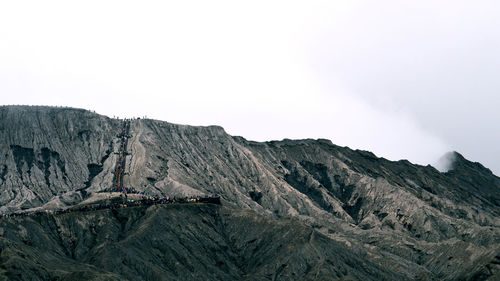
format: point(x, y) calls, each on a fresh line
point(404, 79)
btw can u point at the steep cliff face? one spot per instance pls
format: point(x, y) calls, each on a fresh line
point(413, 219)
point(51, 153)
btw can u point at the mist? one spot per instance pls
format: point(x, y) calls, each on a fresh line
point(445, 163)
point(406, 81)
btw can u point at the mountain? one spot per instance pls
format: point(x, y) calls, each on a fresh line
point(317, 211)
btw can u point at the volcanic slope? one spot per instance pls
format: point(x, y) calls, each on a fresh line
point(175, 242)
point(411, 219)
point(53, 154)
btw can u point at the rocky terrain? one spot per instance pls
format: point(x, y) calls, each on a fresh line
point(292, 209)
point(184, 242)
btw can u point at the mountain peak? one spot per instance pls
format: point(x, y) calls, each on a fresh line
point(446, 162)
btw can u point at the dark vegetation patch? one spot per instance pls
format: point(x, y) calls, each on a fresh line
point(23, 155)
point(48, 157)
point(151, 180)
point(94, 170)
point(256, 196)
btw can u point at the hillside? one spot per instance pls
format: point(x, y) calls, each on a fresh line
point(386, 220)
point(182, 242)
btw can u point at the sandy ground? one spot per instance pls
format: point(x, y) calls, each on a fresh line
point(137, 155)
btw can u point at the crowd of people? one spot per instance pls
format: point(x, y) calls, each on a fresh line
point(122, 156)
point(147, 199)
point(118, 203)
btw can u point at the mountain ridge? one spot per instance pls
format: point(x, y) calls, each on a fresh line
point(398, 212)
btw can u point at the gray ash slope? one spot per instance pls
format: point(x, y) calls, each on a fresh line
point(175, 242)
point(52, 153)
point(404, 221)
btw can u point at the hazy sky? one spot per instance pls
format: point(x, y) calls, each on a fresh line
point(404, 79)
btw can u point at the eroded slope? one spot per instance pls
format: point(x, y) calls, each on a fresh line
point(50, 153)
point(176, 242)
